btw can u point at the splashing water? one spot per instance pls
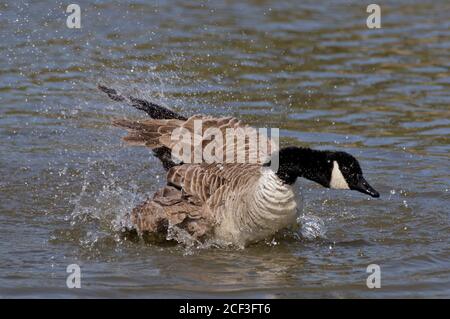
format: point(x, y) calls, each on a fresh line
point(100, 207)
point(311, 227)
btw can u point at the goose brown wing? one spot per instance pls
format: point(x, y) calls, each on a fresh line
point(186, 202)
point(170, 207)
point(203, 180)
point(153, 133)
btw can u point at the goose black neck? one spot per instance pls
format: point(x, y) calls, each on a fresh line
point(297, 162)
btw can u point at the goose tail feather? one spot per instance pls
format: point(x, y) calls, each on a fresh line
point(154, 110)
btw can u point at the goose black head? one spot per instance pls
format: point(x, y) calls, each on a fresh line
point(337, 170)
point(346, 173)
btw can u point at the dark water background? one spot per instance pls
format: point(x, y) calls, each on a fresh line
point(311, 68)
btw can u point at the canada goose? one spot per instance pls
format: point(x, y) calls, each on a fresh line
point(233, 203)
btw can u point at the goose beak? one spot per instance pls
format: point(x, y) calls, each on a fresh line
point(364, 187)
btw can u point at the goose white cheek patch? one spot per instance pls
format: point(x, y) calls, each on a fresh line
point(337, 179)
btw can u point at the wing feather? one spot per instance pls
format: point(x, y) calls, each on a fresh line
point(158, 133)
point(169, 207)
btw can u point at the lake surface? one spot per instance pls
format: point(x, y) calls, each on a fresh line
point(313, 69)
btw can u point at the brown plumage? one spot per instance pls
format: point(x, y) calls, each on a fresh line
point(160, 133)
point(194, 192)
point(204, 200)
point(192, 197)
